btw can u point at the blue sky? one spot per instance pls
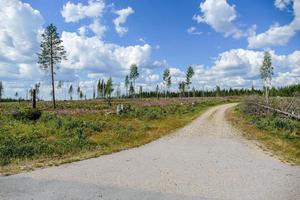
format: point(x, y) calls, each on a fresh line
point(223, 39)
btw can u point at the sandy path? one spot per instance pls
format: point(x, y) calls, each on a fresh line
point(205, 160)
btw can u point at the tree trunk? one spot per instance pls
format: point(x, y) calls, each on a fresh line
point(134, 88)
point(52, 76)
point(267, 95)
point(33, 98)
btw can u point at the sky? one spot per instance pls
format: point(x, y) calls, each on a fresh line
point(224, 41)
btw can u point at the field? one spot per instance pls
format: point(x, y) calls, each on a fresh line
point(79, 130)
point(275, 133)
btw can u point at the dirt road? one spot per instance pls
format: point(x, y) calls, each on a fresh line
point(207, 159)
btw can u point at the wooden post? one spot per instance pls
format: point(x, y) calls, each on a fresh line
point(33, 98)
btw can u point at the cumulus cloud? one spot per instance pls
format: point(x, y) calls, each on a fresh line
point(100, 56)
point(276, 34)
point(19, 29)
point(240, 68)
point(94, 10)
point(75, 12)
point(220, 16)
point(121, 19)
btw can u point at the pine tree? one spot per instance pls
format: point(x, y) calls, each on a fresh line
point(52, 53)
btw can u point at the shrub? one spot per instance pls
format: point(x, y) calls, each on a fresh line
point(30, 114)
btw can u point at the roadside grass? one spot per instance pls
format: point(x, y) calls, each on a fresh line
point(279, 136)
point(62, 137)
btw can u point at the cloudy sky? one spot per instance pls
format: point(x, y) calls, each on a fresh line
point(223, 39)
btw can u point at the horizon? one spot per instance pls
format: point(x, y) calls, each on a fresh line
point(224, 41)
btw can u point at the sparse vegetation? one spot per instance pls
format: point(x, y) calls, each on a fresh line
point(275, 131)
point(77, 130)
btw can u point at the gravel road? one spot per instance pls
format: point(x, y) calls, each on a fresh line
point(206, 160)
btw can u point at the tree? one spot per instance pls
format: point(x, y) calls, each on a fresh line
point(99, 89)
point(60, 86)
point(109, 89)
point(52, 53)
point(126, 84)
point(1, 90)
point(94, 92)
point(218, 91)
point(131, 89)
point(78, 91)
point(167, 80)
point(189, 74)
point(134, 74)
point(37, 90)
point(118, 92)
point(157, 91)
point(81, 95)
point(141, 91)
point(70, 91)
point(266, 72)
point(181, 87)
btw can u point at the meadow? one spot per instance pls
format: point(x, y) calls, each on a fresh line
point(79, 130)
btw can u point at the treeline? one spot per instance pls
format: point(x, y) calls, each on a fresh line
point(287, 91)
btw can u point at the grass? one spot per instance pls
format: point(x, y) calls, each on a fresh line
point(278, 135)
point(84, 129)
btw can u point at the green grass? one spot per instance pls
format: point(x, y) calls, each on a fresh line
point(279, 135)
point(85, 129)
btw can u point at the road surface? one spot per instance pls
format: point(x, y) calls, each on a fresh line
point(206, 160)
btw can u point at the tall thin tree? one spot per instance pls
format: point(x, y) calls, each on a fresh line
point(189, 74)
point(266, 72)
point(134, 74)
point(167, 80)
point(70, 91)
point(1, 90)
point(126, 84)
point(109, 89)
point(52, 53)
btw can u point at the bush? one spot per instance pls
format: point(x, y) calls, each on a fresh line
point(30, 114)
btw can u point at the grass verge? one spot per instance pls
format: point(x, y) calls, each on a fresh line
point(281, 142)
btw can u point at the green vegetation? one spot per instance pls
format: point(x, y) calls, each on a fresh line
point(77, 130)
point(275, 132)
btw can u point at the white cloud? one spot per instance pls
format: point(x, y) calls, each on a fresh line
point(97, 28)
point(276, 34)
point(75, 12)
point(100, 56)
point(282, 4)
point(94, 10)
point(220, 16)
point(19, 29)
point(121, 19)
point(193, 31)
point(240, 68)
point(152, 78)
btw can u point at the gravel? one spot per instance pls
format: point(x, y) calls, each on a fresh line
point(206, 160)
